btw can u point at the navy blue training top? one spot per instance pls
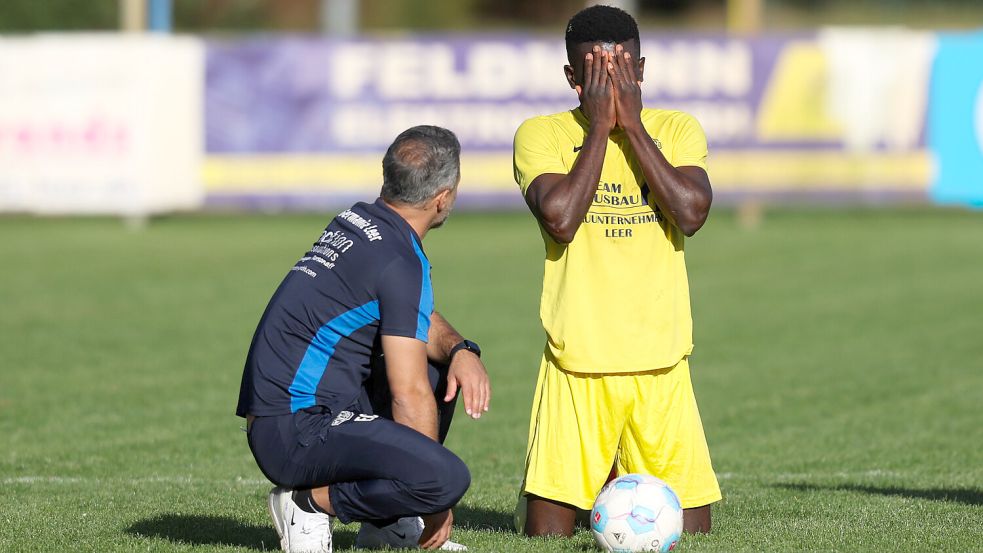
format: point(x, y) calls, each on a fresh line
point(365, 276)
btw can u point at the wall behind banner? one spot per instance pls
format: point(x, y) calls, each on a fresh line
point(303, 122)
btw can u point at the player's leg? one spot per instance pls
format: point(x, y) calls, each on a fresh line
point(545, 517)
point(573, 439)
point(696, 520)
point(664, 437)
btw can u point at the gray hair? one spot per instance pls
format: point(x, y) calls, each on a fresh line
point(419, 164)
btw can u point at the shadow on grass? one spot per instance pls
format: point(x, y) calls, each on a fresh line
point(476, 518)
point(473, 518)
point(218, 530)
point(956, 495)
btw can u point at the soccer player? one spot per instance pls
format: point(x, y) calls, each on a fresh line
point(363, 293)
point(616, 188)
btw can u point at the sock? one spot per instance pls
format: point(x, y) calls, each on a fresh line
point(305, 501)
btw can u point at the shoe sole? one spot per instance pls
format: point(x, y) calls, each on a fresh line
point(275, 504)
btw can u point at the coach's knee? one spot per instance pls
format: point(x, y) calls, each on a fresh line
point(452, 480)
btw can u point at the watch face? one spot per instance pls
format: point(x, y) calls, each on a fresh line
point(468, 345)
point(471, 346)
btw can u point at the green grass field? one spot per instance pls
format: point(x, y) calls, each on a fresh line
point(838, 364)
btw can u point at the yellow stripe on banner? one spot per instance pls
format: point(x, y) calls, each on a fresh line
point(752, 170)
point(790, 170)
point(258, 173)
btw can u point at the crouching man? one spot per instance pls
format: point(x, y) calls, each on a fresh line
point(353, 322)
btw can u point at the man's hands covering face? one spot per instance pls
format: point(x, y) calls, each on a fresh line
point(627, 88)
point(596, 93)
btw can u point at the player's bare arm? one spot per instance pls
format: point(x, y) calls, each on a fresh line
point(560, 202)
point(413, 403)
point(683, 194)
point(466, 371)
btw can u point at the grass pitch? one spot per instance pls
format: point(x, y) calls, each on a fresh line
point(838, 365)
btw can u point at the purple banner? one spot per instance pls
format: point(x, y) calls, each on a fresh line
point(312, 95)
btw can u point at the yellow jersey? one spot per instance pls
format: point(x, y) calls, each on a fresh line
point(616, 299)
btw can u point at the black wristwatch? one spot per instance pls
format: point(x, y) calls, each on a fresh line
point(468, 345)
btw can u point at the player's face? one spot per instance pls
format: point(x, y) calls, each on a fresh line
point(575, 71)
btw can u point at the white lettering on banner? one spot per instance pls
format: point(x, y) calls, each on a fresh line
point(405, 69)
point(489, 70)
point(385, 87)
point(979, 118)
point(498, 75)
point(481, 124)
point(492, 125)
point(724, 122)
point(699, 68)
point(352, 68)
point(495, 70)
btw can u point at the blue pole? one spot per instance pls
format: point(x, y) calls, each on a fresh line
point(159, 16)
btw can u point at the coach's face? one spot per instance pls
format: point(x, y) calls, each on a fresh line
point(575, 71)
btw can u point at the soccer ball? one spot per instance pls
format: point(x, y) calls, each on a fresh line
point(637, 512)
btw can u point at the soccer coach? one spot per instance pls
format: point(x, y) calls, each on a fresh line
point(364, 290)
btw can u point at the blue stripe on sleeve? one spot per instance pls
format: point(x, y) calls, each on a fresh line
point(319, 352)
point(426, 296)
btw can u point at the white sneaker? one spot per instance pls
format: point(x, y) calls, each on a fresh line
point(403, 534)
point(453, 546)
point(300, 531)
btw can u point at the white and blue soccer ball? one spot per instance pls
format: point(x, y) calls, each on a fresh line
point(637, 512)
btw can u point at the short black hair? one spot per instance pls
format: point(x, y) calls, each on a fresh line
point(600, 24)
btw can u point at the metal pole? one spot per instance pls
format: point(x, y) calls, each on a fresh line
point(339, 17)
point(630, 6)
point(132, 16)
point(159, 15)
point(745, 16)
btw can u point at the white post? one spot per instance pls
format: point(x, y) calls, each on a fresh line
point(339, 17)
point(745, 17)
point(630, 6)
point(132, 16)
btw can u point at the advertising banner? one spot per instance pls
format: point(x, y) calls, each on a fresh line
point(101, 124)
point(294, 122)
point(956, 119)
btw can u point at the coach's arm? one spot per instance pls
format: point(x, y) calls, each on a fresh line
point(413, 403)
point(466, 371)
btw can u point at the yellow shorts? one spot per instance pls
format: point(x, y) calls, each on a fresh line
point(647, 422)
